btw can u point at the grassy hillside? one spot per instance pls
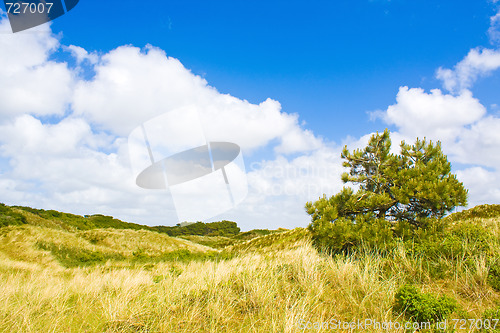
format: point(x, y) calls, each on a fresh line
point(59, 279)
point(66, 221)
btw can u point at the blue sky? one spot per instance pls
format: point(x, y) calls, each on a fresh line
point(316, 75)
point(329, 61)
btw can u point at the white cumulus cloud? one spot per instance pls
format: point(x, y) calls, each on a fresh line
point(478, 63)
point(133, 85)
point(31, 83)
point(435, 115)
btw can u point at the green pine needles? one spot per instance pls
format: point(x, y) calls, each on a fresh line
point(395, 193)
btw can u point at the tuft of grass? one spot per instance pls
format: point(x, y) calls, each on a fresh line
point(273, 241)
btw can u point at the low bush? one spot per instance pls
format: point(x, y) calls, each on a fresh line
point(455, 241)
point(494, 275)
point(422, 307)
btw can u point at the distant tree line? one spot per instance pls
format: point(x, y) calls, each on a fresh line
point(222, 228)
point(13, 216)
point(86, 222)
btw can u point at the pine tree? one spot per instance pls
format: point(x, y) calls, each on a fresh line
point(413, 186)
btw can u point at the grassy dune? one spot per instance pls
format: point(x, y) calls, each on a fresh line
point(106, 280)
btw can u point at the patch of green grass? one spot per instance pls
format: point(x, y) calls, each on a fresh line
point(76, 257)
point(247, 235)
point(462, 238)
point(181, 255)
point(222, 228)
point(491, 320)
point(216, 242)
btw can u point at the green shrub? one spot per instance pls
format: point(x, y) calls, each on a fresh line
point(247, 235)
point(222, 228)
point(422, 307)
point(10, 217)
point(494, 275)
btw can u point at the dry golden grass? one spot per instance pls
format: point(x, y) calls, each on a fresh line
point(272, 285)
point(126, 241)
point(19, 243)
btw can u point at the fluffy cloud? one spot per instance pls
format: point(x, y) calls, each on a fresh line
point(30, 82)
point(494, 30)
point(482, 185)
point(479, 62)
point(61, 166)
point(81, 55)
point(132, 86)
point(434, 115)
point(80, 162)
point(469, 135)
point(279, 188)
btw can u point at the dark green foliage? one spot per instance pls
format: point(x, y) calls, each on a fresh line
point(348, 235)
point(422, 307)
point(223, 228)
point(410, 190)
point(76, 257)
point(10, 217)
